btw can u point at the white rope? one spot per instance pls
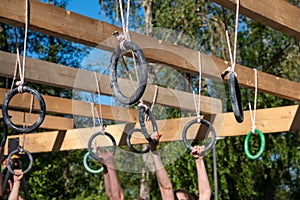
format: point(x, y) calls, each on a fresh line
point(18, 62)
point(253, 115)
point(235, 33)
point(233, 57)
point(197, 106)
point(124, 26)
point(100, 119)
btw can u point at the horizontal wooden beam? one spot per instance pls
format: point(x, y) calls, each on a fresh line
point(277, 14)
point(81, 80)
point(50, 122)
point(269, 120)
point(60, 23)
point(64, 106)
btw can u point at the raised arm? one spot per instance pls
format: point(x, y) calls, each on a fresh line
point(1, 177)
point(203, 182)
point(112, 186)
point(14, 194)
point(163, 180)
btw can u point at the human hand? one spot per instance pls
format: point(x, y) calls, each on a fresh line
point(155, 137)
point(18, 175)
point(197, 152)
point(105, 157)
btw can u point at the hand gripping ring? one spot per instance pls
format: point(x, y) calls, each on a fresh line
point(210, 127)
point(39, 120)
point(9, 162)
point(143, 75)
point(5, 132)
point(86, 166)
point(235, 97)
point(262, 145)
point(90, 149)
point(143, 130)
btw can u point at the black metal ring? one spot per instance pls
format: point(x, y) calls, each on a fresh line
point(210, 127)
point(16, 151)
point(5, 133)
point(90, 149)
point(143, 130)
point(143, 73)
point(235, 97)
point(42, 110)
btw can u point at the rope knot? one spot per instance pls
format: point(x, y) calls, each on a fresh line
point(198, 117)
point(20, 86)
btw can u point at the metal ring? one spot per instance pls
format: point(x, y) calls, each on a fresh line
point(90, 149)
point(143, 130)
point(15, 152)
point(210, 127)
point(87, 167)
point(262, 145)
point(5, 133)
point(132, 148)
point(42, 110)
point(235, 97)
point(143, 75)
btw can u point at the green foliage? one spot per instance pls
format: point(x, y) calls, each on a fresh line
point(276, 175)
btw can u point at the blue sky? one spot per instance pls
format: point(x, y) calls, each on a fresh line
point(90, 8)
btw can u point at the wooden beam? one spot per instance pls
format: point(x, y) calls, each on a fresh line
point(277, 14)
point(50, 122)
point(269, 120)
point(72, 78)
point(64, 106)
point(74, 27)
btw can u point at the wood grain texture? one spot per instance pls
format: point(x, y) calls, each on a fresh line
point(81, 80)
point(74, 27)
point(277, 14)
point(269, 120)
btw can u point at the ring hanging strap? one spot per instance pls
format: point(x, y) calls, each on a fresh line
point(90, 148)
point(210, 127)
point(142, 111)
point(235, 97)
point(87, 167)
point(16, 151)
point(262, 145)
point(143, 75)
point(5, 132)
point(7, 117)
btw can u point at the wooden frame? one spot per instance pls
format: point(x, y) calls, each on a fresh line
point(67, 25)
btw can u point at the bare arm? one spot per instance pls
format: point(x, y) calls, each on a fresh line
point(14, 194)
point(203, 182)
point(1, 177)
point(107, 182)
point(112, 186)
point(163, 180)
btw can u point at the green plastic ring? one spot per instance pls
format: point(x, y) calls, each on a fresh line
point(262, 145)
point(86, 166)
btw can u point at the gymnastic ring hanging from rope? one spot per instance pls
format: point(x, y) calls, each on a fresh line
point(87, 167)
point(235, 97)
point(42, 110)
point(210, 128)
point(90, 149)
point(143, 72)
point(262, 144)
point(16, 151)
point(5, 132)
point(143, 130)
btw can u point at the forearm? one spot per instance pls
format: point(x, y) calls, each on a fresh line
point(116, 189)
point(107, 182)
point(203, 182)
point(14, 194)
point(163, 180)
